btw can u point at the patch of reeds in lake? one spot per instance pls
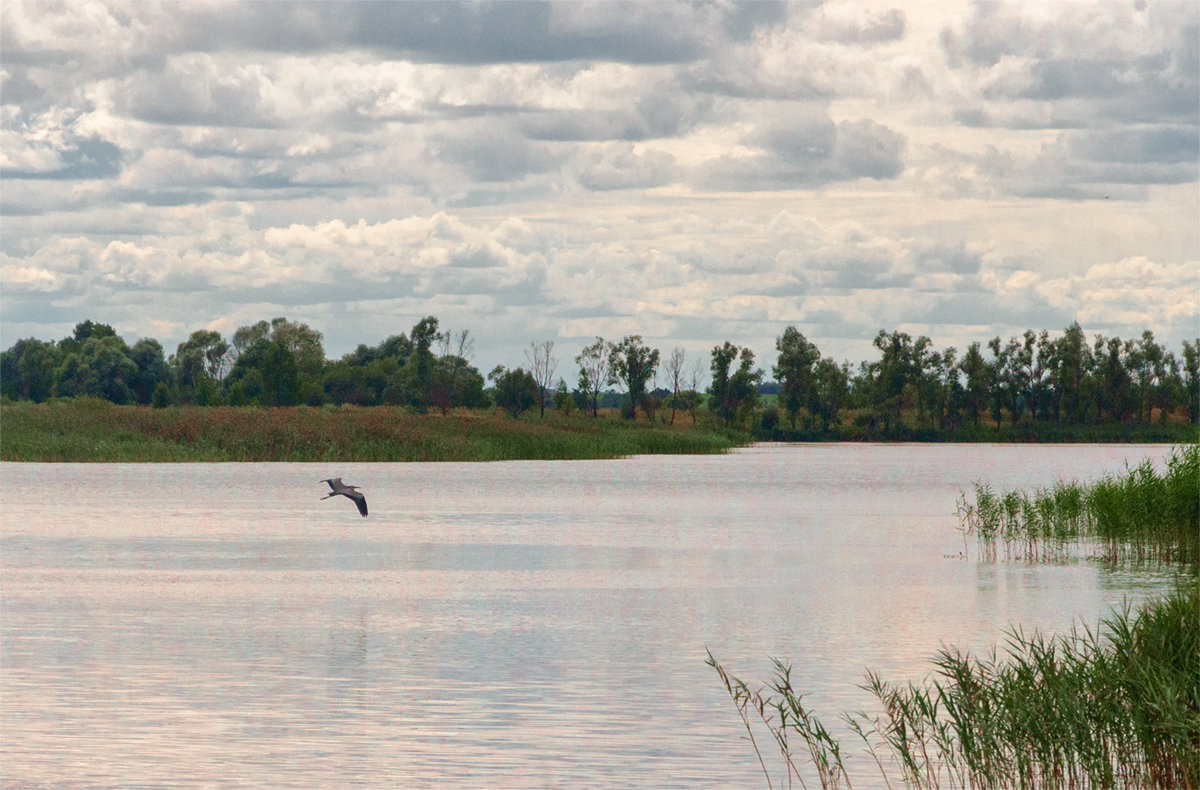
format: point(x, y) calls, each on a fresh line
point(1114, 706)
point(1141, 515)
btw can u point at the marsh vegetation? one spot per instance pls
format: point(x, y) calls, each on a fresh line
point(88, 429)
point(1114, 705)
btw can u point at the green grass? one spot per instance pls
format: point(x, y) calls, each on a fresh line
point(92, 430)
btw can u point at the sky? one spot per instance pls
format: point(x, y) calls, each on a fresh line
point(690, 172)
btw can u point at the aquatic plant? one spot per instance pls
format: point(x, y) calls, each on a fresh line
point(93, 430)
point(1113, 706)
point(1117, 705)
point(1141, 515)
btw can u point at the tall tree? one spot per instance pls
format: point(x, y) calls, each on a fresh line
point(634, 364)
point(515, 390)
point(794, 370)
point(978, 381)
point(831, 382)
point(595, 371)
point(674, 370)
point(1191, 377)
point(27, 369)
point(890, 375)
point(733, 390)
point(420, 361)
point(542, 365)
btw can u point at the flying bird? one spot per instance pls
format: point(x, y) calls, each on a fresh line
point(350, 492)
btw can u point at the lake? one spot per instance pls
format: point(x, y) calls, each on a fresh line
point(515, 624)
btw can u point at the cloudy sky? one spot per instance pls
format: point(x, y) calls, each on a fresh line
point(690, 172)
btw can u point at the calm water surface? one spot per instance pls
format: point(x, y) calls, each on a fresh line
point(525, 624)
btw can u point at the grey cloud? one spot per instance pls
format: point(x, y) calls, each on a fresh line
point(1083, 66)
point(468, 32)
point(956, 259)
point(84, 158)
point(883, 27)
point(659, 113)
point(810, 154)
point(476, 258)
point(619, 167)
point(197, 93)
point(498, 157)
point(1170, 144)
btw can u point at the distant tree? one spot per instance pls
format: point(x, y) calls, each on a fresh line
point(161, 397)
point(147, 355)
point(831, 383)
point(942, 386)
point(199, 362)
point(675, 373)
point(454, 379)
point(634, 364)
point(27, 369)
point(890, 375)
point(564, 399)
point(794, 370)
point(515, 390)
point(978, 381)
point(1115, 390)
point(1191, 378)
point(268, 372)
point(1070, 362)
point(420, 362)
point(542, 365)
point(595, 371)
point(733, 391)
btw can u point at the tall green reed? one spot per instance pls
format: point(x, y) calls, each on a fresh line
point(1142, 515)
point(1117, 705)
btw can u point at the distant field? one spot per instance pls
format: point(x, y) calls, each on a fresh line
point(93, 430)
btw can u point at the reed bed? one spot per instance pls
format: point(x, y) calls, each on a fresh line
point(1114, 706)
point(92, 430)
point(1141, 515)
point(1111, 706)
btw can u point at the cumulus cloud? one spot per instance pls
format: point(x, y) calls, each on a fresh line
point(530, 170)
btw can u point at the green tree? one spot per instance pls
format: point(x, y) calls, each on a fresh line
point(199, 362)
point(268, 372)
point(634, 364)
point(1191, 378)
point(832, 384)
point(28, 368)
point(595, 371)
point(795, 371)
point(733, 391)
point(978, 377)
point(147, 355)
point(515, 390)
point(890, 376)
point(420, 362)
point(1069, 364)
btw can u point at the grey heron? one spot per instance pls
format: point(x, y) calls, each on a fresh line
point(350, 492)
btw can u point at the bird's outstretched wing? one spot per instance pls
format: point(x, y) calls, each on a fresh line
point(361, 501)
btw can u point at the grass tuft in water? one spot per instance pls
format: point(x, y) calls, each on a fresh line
point(1143, 515)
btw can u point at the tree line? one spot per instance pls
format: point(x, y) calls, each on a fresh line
point(1031, 379)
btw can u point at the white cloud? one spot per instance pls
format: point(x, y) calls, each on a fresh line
point(687, 172)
